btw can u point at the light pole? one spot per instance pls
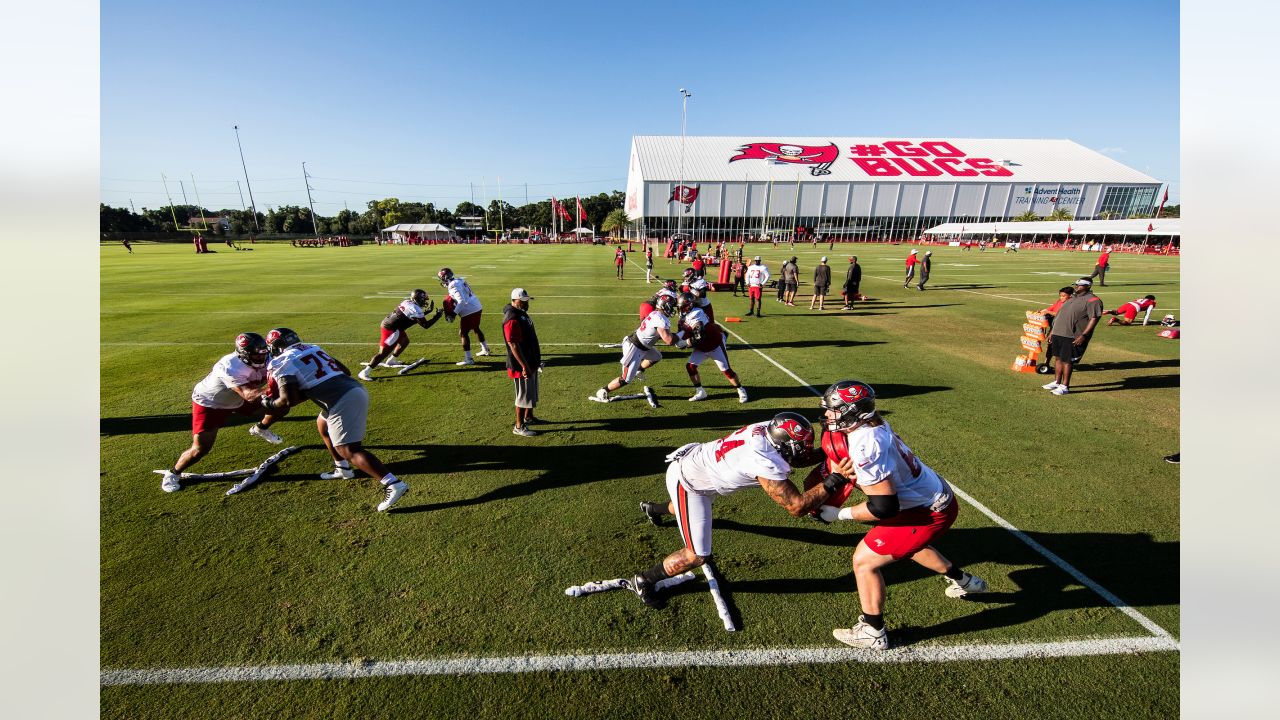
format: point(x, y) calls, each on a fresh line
point(684, 107)
point(246, 180)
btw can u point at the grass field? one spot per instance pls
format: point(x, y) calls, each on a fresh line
point(471, 566)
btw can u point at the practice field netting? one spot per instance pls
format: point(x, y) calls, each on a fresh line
point(1068, 510)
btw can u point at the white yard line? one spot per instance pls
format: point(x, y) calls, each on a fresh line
point(636, 660)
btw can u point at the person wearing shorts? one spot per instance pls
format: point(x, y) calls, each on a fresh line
point(821, 284)
point(757, 278)
point(1127, 313)
point(908, 504)
point(638, 351)
point(232, 387)
point(463, 303)
point(1072, 330)
point(304, 372)
point(524, 359)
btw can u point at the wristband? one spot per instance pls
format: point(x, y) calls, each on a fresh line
point(834, 482)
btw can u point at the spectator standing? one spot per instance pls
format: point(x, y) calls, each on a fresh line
point(699, 266)
point(926, 264)
point(911, 268)
point(852, 283)
point(1071, 332)
point(1064, 294)
point(821, 284)
point(791, 281)
point(648, 265)
point(739, 275)
point(524, 359)
point(1104, 264)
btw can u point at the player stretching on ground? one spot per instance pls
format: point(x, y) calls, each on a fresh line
point(305, 372)
point(908, 504)
point(231, 388)
point(463, 303)
point(1128, 312)
point(638, 351)
point(395, 331)
point(707, 341)
point(758, 455)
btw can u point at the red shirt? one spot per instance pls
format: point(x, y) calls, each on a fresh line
point(911, 260)
point(698, 265)
point(512, 331)
point(1104, 258)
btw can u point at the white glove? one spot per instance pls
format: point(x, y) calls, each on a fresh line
point(829, 513)
point(681, 343)
point(681, 452)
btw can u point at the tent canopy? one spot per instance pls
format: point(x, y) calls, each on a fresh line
point(418, 228)
point(1163, 227)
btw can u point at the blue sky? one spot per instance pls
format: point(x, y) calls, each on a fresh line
point(418, 100)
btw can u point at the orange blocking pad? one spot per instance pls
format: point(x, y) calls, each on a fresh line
point(733, 319)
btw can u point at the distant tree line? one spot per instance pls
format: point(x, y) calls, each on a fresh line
point(499, 215)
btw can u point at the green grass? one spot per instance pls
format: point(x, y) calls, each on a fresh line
point(476, 557)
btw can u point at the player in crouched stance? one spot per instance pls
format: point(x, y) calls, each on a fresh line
point(908, 504)
point(395, 331)
point(758, 455)
point(638, 351)
point(464, 304)
point(305, 372)
point(707, 341)
point(232, 387)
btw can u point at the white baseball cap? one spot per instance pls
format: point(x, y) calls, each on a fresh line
point(824, 258)
point(520, 294)
point(913, 252)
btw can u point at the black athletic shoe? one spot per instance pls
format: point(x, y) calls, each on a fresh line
point(654, 511)
point(531, 420)
point(1174, 459)
point(645, 592)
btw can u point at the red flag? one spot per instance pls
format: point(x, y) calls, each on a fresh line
point(1163, 201)
point(1150, 227)
point(818, 157)
point(582, 214)
point(563, 213)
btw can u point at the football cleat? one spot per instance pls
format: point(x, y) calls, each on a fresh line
point(464, 362)
point(863, 636)
point(1051, 386)
point(654, 511)
point(365, 375)
point(646, 592)
point(967, 585)
point(395, 491)
point(265, 433)
point(484, 350)
point(700, 395)
point(742, 394)
point(1060, 390)
point(339, 473)
point(394, 362)
point(171, 482)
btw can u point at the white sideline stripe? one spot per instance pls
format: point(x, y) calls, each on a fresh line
point(633, 661)
point(1063, 565)
point(1067, 567)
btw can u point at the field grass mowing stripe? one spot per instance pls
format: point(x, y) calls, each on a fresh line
point(632, 661)
point(1065, 566)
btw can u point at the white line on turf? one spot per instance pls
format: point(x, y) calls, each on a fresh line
point(1065, 566)
point(638, 660)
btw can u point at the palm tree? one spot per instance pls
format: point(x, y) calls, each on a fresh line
point(1107, 215)
point(1028, 216)
point(1060, 214)
point(615, 221)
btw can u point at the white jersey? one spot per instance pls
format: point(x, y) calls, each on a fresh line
point(465, 302)
point(732, 463)
point(214, 391)
point(878, 453)
point(647, 333)
point(757, 275)
point(307, 364)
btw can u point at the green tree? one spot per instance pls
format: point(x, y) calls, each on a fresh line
point(1028, 216)
point(1107, 215)
point(615, 222)
point(1060, 214)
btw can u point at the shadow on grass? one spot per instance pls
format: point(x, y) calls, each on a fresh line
point(1141, 382)
point(1130, 365)
point(175, 422)
point(1140, 571)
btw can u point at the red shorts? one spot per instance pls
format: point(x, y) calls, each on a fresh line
point(1129, 312)
point(391, 337)
point(754, 292)
point(470, 322)
point(910, 530)
point(204, 419)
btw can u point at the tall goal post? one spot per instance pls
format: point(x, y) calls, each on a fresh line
point(204, 223)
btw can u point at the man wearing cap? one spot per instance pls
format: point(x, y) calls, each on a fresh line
point(926, 264)
point(911, 268)
point(790, 281)
point(524, 359)
point(852, 281)
point(1104, 264)
point(821, 283)
point(757, 276)
point(1072, 329)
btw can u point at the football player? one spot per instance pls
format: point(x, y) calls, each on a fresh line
point(699, 289)
point(232, 387)
point(638, 351)
point(668, 289)
point(304, 372)
point(758, 455)
point(757, 278)
point(395, 327)
point(463, 303)
point(908, 504)
point(707, 341)
point(1128, 312)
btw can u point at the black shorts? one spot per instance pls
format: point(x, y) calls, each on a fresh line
point(1065, 348)
point(791, 287)
point(820, 289)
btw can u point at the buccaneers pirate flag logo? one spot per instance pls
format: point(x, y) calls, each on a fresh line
point(818, 157)
point(684, 195)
